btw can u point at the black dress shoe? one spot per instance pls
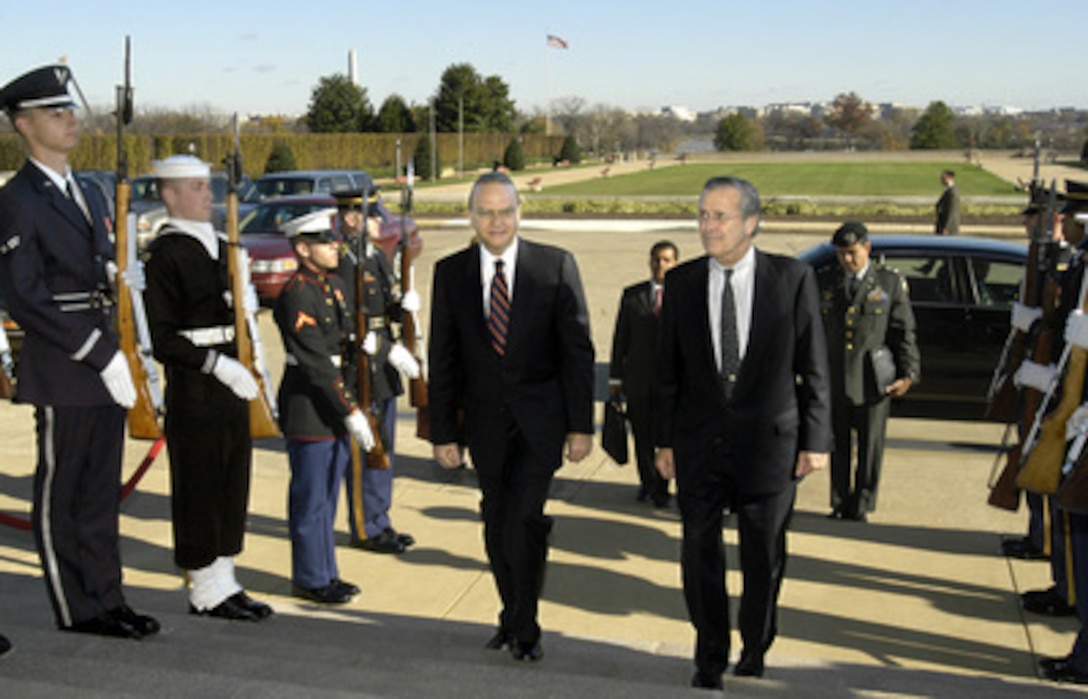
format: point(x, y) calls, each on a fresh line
point(106, 625)
point(346, 586)
point(329, 594)
point(146, 625)
point(529, 652)
point(500, 640)
point(262, 610)
point(1022, 549)
point(1047, 602)
point(836, 513)
point(403, 537)
point(227, 609)
point(704, 680)
point(1062, 670)
point(642, 494)
point(749, 666)
point(661, 501)
point(385, 542)
point(5, 645)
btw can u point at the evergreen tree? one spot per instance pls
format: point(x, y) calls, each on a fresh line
point(281, 159)
point(394, 116)
point(935, 129)
point(514, 157)
point(736, 132)
point(422, 156)
point(338, 105)
point(570, 151)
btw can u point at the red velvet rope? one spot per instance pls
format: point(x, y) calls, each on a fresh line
point(23, 523)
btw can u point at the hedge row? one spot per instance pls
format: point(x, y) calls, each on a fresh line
point(355, 151)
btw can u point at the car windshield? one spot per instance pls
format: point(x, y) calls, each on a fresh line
point(269, 219)
point(279, 187)
point(147, 189)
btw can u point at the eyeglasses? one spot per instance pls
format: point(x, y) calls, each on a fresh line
point(718, 217)
point(496, 213)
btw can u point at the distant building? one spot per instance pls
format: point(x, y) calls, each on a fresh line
point(679, 113)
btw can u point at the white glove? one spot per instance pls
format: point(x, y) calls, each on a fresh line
point(370, 343)
point(359, 429)
point(134, 276)
point(250, 303)
point(1077, 422)
point(1023, 317)
point(234, 375)
point(403, 361)
point(118, 380)
point(409, 303)
point(1076, 329)
point(1032, 375)
point(111, 271)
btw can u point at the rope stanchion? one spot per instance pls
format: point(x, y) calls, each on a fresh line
point(23, 523)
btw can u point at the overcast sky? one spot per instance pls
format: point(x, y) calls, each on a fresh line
point(266, 57)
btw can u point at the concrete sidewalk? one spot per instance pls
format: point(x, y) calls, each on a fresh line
point(916, 603)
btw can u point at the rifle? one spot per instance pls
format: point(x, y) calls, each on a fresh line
point(143, 418)
point(7, 367)
point(377, 457)
point(262, 414)
point(1042, 470)
point(410, 333)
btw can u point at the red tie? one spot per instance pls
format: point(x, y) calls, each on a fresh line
point(498, 319)
point(657, 300)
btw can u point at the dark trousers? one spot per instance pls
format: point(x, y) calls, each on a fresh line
point(370, 490)
point(207, 436)
point(516, 534)
point(317, 469)
point(639, 413)
point(1078, 529)
point(869, 423)
point(1059, 548)
point(1036, 524)
point(77, 491)
point(762, 521)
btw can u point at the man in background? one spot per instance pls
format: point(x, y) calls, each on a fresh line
point(948, 206)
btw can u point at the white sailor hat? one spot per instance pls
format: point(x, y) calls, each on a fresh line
point(316, 226)
point(42, 87)
point(181, 167)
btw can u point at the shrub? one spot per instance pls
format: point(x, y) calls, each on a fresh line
point(423, 155)
point(281, 159)
point(570, 152)
point(514, 156)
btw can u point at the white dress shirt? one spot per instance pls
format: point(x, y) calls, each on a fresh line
point(744, 285)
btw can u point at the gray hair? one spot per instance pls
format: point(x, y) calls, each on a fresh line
point(492, 177)
point(749, 195)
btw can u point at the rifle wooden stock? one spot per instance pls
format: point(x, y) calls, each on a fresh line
point(1003, 399)
point(417, 387)
point(1004, 494)
point(1042, 471)
point(262, 423)
point(1073, 493)
point(7, 387)
point(143, 421)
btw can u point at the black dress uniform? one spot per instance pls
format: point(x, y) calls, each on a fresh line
point(207, 425)
point(370, 493)
point(315, 397)
point(859, 317)
point(53, 271)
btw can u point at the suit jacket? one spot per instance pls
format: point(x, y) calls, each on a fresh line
point(544, 382)
point(948, 212)
point(634, 342)
point(47, 250)
point(781, 400)
point(878, 314)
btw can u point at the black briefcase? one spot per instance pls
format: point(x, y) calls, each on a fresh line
point(881, 372)
point(614, 431)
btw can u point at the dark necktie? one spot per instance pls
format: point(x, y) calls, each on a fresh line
point(730, 344)
point(657, 299)
point(78, 201)
point(498, 319)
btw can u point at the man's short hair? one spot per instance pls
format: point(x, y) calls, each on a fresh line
point(850, 233)
point(949, 174)
point(749, 195)
point(491, 177)
point(664, 245)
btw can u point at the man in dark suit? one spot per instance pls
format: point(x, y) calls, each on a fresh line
point(631, 371)
point(56, 264)
point(948, 206)
point(745, 412)
point(866, 309)
point(511, 353)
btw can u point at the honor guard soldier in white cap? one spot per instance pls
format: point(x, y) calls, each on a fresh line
point(370, 493)
point(191, 317)
point(55, 267)
point(318, 404)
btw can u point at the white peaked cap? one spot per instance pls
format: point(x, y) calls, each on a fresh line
point(317, 224)
point(181, 167)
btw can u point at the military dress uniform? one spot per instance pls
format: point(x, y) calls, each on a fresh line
point(874, 312)
point(315, 397)
point(55, 250)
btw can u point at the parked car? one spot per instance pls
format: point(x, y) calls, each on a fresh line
point(279, 184)
point(272, 259)
point(103, 180)
point(146, 203)
point(961, 290)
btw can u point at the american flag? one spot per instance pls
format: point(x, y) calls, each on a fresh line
point(556, 42)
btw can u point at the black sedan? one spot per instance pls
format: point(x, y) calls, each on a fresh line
point(961, 290)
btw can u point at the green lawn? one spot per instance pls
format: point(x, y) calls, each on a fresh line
point(778, 179)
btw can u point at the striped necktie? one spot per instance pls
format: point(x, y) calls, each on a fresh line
point(498, 319)
point(730, 343)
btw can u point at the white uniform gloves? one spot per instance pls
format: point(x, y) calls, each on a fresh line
point(250, 303)
point(1033, 375)
point(359, 429)
point(118, 380)
point(1024, 316)
point(403, 361)
point(410, 301)
point(134, 277)
point(1076, 329)
point(234, 375)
